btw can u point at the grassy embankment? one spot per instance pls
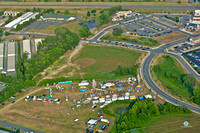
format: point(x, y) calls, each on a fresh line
point(145, 41)
point(170, 75)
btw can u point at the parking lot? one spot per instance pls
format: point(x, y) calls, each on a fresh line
point(193, 56)
point(142, 30)
point(41, 24)
point(182, 47)
point(134, 45)
point(152, 24)
point(165, 20)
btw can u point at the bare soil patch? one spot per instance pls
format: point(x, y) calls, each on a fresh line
point(170, 37)
point(85, 62)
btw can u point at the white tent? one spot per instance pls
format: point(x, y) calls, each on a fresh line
point(147, 96)
point(92, 122)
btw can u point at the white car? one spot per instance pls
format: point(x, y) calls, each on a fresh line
point(76, 120)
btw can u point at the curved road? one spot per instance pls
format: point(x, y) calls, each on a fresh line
point(146, 65)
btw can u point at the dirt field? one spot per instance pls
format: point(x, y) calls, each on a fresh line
point(170, 37)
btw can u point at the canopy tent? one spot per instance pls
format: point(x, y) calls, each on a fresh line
point(138, 88)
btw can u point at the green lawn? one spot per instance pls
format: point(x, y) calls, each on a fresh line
point(173, 78)
point(145, 41)
point(97, 60)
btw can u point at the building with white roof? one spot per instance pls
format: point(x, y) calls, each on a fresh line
point(10, 13)
point(20, 20)
point(27, 47)
point(196, 17)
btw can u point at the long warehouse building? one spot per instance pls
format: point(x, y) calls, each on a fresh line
point(1, 55)
point(25, 17)
point(27, 48)
point(11, 57)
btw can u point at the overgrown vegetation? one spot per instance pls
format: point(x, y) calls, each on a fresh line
point(176, 80)
point(134, 40)
point(13, 85)
point(140, 112)
point(176, 19)
point(84, 31)
point(117, 31)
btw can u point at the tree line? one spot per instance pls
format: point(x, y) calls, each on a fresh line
point(126, 70)
point(139, 112)
point(49, 51)
point(104, 17)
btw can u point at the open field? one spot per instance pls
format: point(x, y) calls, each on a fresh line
point(170, 37)
point(98, 59)
point(124, 38)
point(174, 123)
point(162, 67)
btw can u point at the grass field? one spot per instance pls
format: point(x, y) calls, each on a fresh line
point(170, 66)
point(173, 36)
point(145, 41)
point(99, 59)
point(174, 124)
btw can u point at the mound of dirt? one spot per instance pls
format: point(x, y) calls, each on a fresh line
point(85, 62)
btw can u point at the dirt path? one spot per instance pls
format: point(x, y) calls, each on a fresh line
point(68, 64)
point(21, 98)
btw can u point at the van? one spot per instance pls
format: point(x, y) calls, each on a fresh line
point(104, 120)
point(101, 106)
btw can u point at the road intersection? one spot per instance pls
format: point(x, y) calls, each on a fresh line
point(152, 53)
point(147, 61)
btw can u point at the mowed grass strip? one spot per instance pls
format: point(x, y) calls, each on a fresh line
point(174, 123)
point(95, 59)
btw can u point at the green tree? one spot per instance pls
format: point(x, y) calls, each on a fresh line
point(66, 12)
point(6, 33)
point(117, 31)
point(84, 31)
point(88, 13)
point(93, 11)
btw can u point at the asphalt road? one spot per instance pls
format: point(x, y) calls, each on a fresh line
point(124, 6)
point(16, 127)
point(146, 64)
